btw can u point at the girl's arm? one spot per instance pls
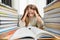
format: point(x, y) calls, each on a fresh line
point(38, 17)
point(40, 23)
point(25, 16)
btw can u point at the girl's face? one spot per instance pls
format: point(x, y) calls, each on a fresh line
point(31, 13)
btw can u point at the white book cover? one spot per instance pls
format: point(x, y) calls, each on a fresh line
point(8, 12)
point(8, 25)
point(7, 29)
point(6, 18)
point(3, 22)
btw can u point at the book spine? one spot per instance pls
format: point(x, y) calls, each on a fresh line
point(8, 19)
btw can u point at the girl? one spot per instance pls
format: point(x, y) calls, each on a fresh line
point(31, 17)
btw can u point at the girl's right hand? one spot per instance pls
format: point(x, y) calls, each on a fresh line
point(25, 16)
point(26, 13)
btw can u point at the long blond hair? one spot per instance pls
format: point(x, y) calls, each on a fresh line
point(33, 7)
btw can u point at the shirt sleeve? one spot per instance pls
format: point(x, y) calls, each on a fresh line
point(21, 23)
point(40, 24)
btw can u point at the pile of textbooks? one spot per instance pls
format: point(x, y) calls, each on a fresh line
point(8, 20)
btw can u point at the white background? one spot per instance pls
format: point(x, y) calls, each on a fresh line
point(20, 5)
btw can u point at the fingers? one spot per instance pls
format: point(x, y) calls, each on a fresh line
point(26, 12)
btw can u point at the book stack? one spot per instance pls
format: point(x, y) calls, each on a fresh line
point(52, 17)
point(8, 19)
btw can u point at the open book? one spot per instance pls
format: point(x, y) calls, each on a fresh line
point(29, 32)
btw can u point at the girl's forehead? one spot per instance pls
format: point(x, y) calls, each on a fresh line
point(30, 9)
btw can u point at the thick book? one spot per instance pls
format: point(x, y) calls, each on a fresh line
point(30, 32)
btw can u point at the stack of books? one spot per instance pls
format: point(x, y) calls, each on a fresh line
point(8, 19)
point(52, 17)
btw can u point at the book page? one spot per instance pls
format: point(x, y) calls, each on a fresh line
point(22, 32)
